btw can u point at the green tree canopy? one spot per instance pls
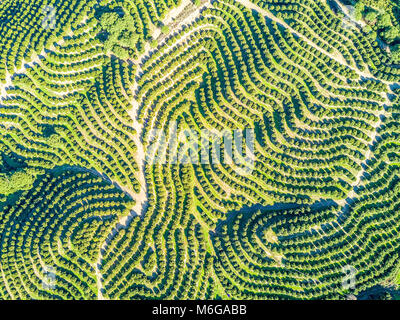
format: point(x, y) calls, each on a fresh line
point(121, 34)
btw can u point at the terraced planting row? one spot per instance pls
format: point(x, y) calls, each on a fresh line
point(120, 200)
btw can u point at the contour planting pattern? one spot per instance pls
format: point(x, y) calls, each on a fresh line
point(96, 203)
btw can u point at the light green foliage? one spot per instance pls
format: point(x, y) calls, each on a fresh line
point(359, 10)
point(71, 213)
point(391, 34)
point(120, 52)
point(149, 260)
point(384, 20)
point(371, 16)
point(369, 32)
point(19, 180)
point(154, 43)
point(121, 35)
point(315, 99)
point(395, 52)
point(164, 29)
point(367, 29)
point(54, 140)
point(380, 15)
point(88, 237)
point(108, 20)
